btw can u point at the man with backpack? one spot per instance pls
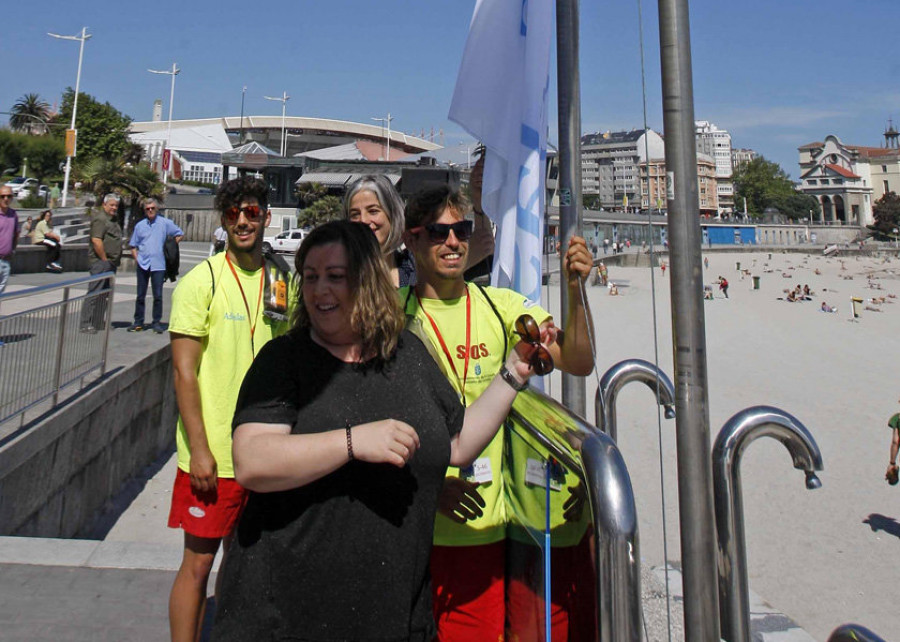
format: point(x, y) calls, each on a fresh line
point(223, 311)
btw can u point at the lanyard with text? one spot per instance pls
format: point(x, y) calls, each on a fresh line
point(255, 317)
point(440, 338)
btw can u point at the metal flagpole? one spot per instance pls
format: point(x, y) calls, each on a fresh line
point(698, 535)
point(569, 107)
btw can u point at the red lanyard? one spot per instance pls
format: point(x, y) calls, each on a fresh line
point(440, 339)
point(262, 285)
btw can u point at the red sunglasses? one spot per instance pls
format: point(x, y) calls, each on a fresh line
point(251, 213)
point(541, 361)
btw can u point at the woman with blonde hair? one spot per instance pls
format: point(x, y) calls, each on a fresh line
point(344, 429)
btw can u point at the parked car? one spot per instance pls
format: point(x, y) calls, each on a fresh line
point(19, 183)
point(287, 241)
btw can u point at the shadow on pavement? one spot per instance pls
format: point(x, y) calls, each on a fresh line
point(879, 522)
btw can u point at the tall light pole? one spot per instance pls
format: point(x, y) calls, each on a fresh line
point(283, 100)
point(386, 121)
point(243, 93)
point(173, 72)
point(70, 149)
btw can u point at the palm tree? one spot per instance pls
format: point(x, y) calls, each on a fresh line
point(30, 114)
point(309, 193)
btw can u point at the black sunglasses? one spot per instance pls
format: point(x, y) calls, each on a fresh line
point(440, 232)
point(541, 361)
point(251, 213)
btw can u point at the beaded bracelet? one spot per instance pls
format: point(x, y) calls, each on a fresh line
point(349, 444)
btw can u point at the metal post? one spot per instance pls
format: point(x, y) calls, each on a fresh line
point(174, 72)
point(60, 345)
point(243, 93)
point(84, 36)
point(569, 107)
point(698, 537)
point(283, 100)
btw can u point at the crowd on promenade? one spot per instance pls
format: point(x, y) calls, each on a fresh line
point(339, 430)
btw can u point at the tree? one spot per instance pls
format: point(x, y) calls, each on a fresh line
point(886, 211)
point(102, 129)
point(309, 193)
point(12, 151)
point(45, 154)
point(590, 201)
point(760, 181)
point(794, 205)
point(30, 114)
point(327, 208)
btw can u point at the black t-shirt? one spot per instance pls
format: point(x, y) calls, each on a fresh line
point(345, 557)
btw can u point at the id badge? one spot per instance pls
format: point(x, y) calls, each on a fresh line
point(536, 475)
point(479, 472)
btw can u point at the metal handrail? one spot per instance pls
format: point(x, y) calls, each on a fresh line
point(594, 457)
point(44, 352)
point(616, 377)
point(736, 435)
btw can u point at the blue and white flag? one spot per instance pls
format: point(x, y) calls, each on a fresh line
point(501, 99)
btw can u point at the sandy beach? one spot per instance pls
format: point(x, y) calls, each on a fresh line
point(822, 557)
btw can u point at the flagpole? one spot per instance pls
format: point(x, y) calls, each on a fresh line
point(569, 108)
point(695, 493)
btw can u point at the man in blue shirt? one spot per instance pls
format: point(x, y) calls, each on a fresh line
point(146, 244)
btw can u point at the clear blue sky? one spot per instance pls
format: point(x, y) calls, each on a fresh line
point(776, 74)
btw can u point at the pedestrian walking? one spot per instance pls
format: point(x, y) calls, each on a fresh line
point(723, 285)
point(9, 234)
point(706, 262)
point(147, 242)
point(893, 472)
point(54, 195)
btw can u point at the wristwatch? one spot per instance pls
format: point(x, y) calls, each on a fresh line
point(511, 380)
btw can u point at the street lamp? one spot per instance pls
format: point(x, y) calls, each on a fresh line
point(70, 150)
point(387, 120)
point(243, 93)
point(173, 72)
point(283, 100)
point(896, 238)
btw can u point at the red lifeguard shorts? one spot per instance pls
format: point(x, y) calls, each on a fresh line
point(468, 588)
point(211, 514)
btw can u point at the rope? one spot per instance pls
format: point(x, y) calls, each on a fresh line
point(662, 484)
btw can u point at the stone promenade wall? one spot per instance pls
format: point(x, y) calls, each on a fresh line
point(57, 475)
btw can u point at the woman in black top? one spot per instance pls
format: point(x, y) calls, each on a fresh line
point(343, 432)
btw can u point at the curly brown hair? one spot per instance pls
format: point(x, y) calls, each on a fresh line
point(376, 316)
point(426, 205)
point(232, 192)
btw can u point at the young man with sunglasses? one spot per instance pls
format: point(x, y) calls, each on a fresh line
point(9, 233)
point(471, 332)
point(221, 316)
point(147, 242)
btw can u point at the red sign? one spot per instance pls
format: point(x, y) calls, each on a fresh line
point(166, 155)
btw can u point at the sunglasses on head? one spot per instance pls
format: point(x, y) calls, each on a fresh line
point(250, 212)
point(440, 232)
point(541, 361)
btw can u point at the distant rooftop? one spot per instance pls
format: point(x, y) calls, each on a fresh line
point(610, 138)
